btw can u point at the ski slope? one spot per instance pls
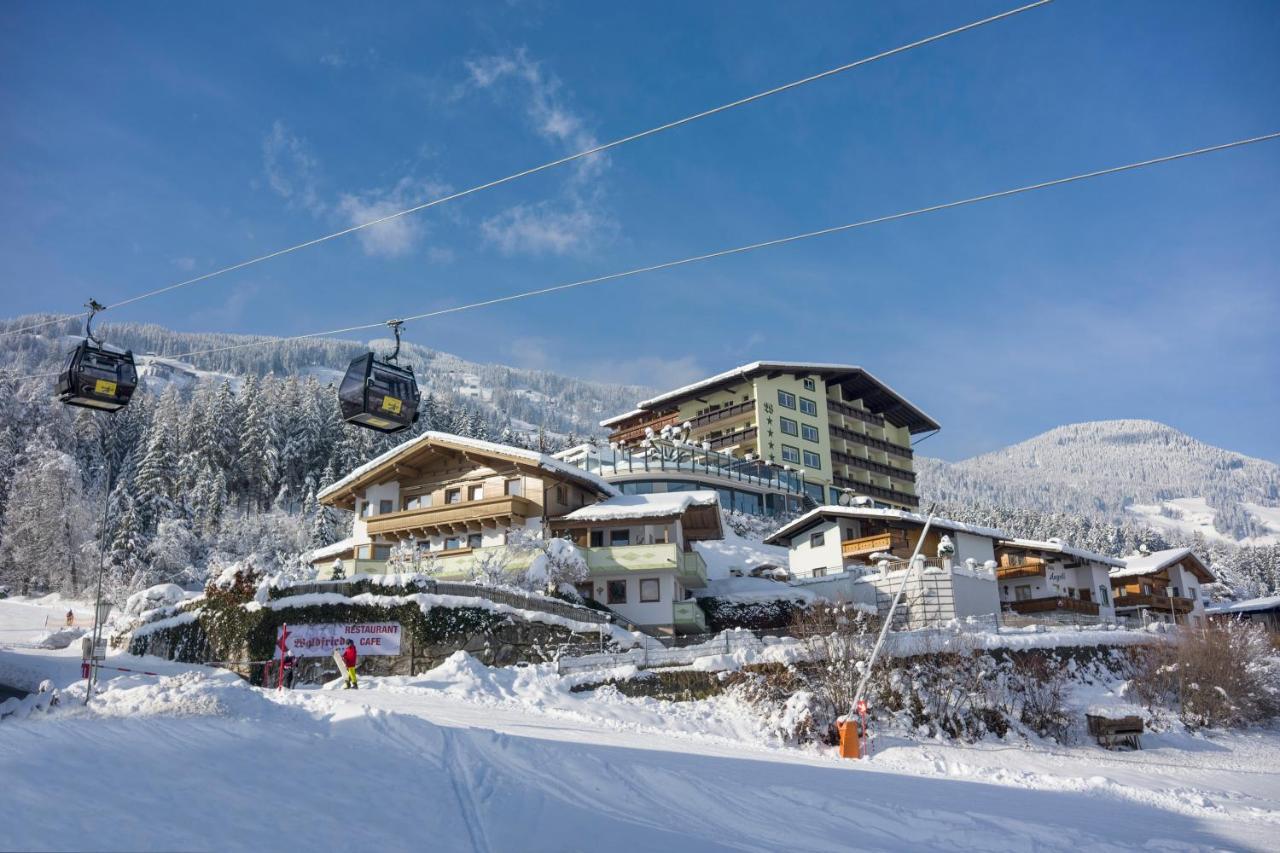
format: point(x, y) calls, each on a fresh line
point(467, 758)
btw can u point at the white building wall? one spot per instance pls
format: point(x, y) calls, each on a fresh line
point(970, 547)
point(974, 596)
point(804, 558)
point(660, 612)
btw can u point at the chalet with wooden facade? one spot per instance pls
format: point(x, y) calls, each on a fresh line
point(454, 502)
point(1166, 586)
point(834, 427)
point(1049, 578)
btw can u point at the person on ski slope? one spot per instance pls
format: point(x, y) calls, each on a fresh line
point(349, 658)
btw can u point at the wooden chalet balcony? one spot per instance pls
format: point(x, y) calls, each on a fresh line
point(742, 436)
point(738, 410)
point(874, 467)
point(1155, 602)
point(880, 543)
point(854, 412)
point(870, 441)
point(1054, 604)
point(1029, 568)
point(636, 430)
point(467, 516)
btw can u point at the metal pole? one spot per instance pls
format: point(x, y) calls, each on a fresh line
point(884, 629)
point(97, 597)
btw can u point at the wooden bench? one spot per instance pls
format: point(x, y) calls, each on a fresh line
point(1113, 732)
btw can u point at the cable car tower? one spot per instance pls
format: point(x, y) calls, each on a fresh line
point(98, 375)
point(379, 394)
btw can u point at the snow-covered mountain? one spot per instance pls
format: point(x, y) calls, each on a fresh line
point(1135, 470)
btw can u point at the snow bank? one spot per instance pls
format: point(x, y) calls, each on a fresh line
point(153, 598)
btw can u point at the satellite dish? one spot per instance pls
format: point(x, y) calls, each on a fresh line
point(846, 498)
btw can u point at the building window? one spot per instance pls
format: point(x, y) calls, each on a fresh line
point(620, 537)
point(513, 488)
point(384, 507)
point(817, 540)
point(788, 426)
point(790, 454)
point(650, 590)
point(810, 385)
point(585, 591)
point(562, 495)
point(597, 539)
point(452, 543)
point(475, 493)
point(473, 540)
point(1191, 593)
point(382, 552)
point(786, 399)
point(809, 433)
point(453, 496)
point(820, 573)
point(616, 592)
point(808, 407)
point(812, 460)
point(1103, 597)
point(1022, 593)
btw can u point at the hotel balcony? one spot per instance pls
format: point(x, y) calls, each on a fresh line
point(738, 411)
point(451, 519)
point(1032, 567)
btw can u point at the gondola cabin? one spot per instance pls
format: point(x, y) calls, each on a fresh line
point(378, 395)
point(98, 376)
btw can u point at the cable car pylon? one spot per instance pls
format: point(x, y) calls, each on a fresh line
point(380, 394)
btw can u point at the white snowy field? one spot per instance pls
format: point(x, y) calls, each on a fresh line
point(469, 758)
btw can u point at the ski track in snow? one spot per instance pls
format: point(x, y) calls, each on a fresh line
point(468, 758)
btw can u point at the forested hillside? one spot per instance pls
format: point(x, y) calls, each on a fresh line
point(214, 465)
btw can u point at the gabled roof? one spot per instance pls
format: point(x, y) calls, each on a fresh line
point(823, 512)
point(1270, 602)
point(1150, 564)
point(701, 507)
point(860, 384)
point(373, 470)
point(1059, 547)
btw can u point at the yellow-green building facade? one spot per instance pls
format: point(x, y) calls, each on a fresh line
point(837, 426)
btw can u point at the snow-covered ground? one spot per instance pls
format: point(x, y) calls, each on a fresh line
point(470, 758)
point(1189, 516)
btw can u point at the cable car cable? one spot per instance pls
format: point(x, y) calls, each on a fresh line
point(1097, 173)
point(840, 69)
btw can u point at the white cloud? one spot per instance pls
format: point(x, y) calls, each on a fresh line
point(550, 116)
point(185, 264)
point(548, 229)
point(397, 236)
point(292, 170)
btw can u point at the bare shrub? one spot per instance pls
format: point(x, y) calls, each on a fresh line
point(1223, 676)
point(1040, 686)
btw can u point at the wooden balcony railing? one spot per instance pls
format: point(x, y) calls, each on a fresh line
point(637, 430)
point(880, 543)
point(466, 516)
point(870, 441)
point(892, 495)
point(740, 437)
point(1029, 568)
point(1155, 602)
point(874, 467)
point(728, 412)
point(854, 412)
point(1052, 604)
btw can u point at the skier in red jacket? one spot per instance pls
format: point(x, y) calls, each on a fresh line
point(349, 658)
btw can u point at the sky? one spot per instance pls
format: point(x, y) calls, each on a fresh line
point(145, 143)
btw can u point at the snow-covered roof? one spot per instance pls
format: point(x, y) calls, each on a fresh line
point(340, 547)
point(1060, 547)
point(1270, 602)
point(870, 512)
point(457, 442)
point(917, 418)
point(1149, 564)
point(658, 505)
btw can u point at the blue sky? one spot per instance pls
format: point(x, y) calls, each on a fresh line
point(143, 143)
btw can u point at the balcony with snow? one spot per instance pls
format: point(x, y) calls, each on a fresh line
point(1050, 580)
